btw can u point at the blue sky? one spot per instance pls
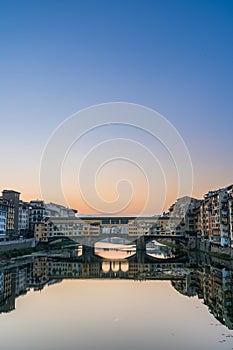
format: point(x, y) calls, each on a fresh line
point(58, 57)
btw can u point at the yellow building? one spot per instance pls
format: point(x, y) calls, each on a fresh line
point(10, 219)
point(42, 230)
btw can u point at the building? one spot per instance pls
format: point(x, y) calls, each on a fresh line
point(10, 221)
point(12, 198)
point(187, 209)
point(23, 224)
point(214, 212)
point(56, 210)
point(230, 212)
point(183, 206)
point(57, 227)
point(37, 213)
point(168, 226)
point(88, 229)
point(43, 230)
point(140, 226)
point(7, 214)
point(3, 219)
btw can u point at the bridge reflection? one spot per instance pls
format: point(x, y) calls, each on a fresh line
point(197, 275)
point(139, 254)
point(115, 266)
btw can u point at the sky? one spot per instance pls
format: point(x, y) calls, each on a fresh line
point(59, 57)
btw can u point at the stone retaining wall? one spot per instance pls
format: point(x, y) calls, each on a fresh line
point(22, 244)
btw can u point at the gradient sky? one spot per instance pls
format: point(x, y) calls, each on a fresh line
point(58, 57)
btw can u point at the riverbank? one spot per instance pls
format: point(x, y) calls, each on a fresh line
point(24, 248)
point(204, 246)
point(18, 244)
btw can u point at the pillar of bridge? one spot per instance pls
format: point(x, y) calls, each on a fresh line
point(177, 248)
point(115, 266)
point(140, 249)
point(88, 251)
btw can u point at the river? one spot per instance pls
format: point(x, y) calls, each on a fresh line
point(67, 302)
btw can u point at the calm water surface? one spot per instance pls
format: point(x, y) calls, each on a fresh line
point(73, 304)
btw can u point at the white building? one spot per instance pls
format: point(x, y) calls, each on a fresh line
point(23, 224)
point(36, 213)
point(56, 210)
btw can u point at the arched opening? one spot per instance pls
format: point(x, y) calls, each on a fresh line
point(124, 266)
point(114, 248)
point(160, 249)
point(106, 266)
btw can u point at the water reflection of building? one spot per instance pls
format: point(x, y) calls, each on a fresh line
point(21, 280)
point(213, 284)
point(217, 290)
point(38, 277)
point(7, 291)
point(189, 286)
point(64, 269)
point(209, 281)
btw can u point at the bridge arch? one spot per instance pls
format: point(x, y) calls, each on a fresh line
point(106, 266)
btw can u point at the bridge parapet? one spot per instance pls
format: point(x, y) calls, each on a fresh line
point(124, 227)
